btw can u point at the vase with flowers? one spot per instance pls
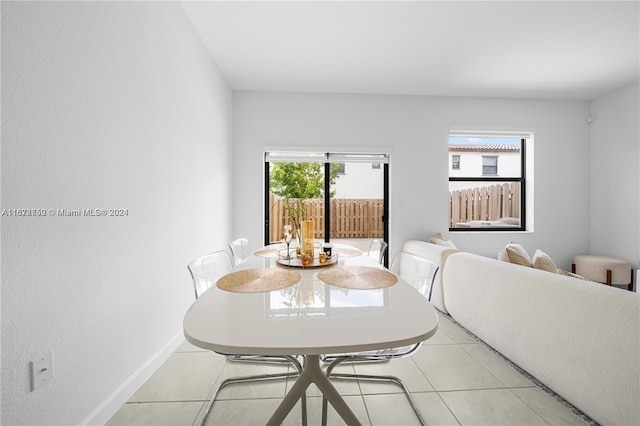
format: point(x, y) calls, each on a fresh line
point(295, 212)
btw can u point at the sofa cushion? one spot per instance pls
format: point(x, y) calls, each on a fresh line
point(439, 240)
point(515, 253)
point(503, 256)
point(542, 260)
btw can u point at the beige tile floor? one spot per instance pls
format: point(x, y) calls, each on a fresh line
point(455, 380)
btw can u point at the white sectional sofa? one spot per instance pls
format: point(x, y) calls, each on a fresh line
point(579, 338)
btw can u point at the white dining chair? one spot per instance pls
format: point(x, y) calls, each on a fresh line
point(240, 250)
point(378, 250)
point(420, 274)
point(205, 272)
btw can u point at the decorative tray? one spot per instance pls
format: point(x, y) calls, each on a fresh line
point(295, 261)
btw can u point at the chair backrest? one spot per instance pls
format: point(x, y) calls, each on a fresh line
point(240, 250)
point(418, 272)
point(207, 269)
point(377, 250)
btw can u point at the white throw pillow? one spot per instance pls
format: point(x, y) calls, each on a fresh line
point(439, 240)
point(503, 256)
point(542, 260)
point(515, 253)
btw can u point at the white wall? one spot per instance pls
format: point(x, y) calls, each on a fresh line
point(417, 129)
point(615, 180)
point(360, 180)
point(104, 105)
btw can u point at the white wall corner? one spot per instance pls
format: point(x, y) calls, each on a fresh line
point(121, 395)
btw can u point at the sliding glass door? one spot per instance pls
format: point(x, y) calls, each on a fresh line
point(345, 195)
point(295, 192)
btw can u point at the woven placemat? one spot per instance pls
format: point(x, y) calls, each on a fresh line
point(266, 252)
point(258, 280)
point(347, 252)
point(357, 277)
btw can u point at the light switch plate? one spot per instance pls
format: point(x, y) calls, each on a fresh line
point(41, 370)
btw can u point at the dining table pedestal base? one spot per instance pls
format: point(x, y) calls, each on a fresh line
point(312, 373)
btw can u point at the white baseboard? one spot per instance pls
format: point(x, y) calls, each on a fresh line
point(114, 402)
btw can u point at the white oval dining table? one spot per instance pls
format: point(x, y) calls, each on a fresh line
point(310, 318)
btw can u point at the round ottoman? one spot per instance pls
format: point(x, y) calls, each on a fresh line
point(596, 268)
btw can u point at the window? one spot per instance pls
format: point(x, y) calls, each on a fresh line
point(489, 165)
point(480, 199)
point(455, 162)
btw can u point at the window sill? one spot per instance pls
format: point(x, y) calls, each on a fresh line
point(488, 230)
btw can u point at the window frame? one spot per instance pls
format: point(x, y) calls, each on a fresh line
point(455, 161)
point(484, 166)
point(287, 154)
point(497, 178)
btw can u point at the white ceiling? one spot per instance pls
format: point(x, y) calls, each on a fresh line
point(538, 49)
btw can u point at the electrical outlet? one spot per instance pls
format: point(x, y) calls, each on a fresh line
point(41, 370)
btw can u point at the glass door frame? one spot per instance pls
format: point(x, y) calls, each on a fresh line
point(327, 199)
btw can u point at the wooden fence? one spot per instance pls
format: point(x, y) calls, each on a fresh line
point(351, 218)
point(485, 203)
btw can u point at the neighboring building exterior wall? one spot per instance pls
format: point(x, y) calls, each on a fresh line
point(360, 180)
point(471, 163)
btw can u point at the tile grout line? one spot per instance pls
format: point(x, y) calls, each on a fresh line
point(362, 395)
point(530, 407)
point(449, 408)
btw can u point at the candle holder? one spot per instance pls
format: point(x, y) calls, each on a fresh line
point(287, 239)
point(308, 234)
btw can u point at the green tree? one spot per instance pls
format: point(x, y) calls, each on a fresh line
point(301, 180)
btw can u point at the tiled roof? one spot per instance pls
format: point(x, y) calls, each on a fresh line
point(484, 147)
